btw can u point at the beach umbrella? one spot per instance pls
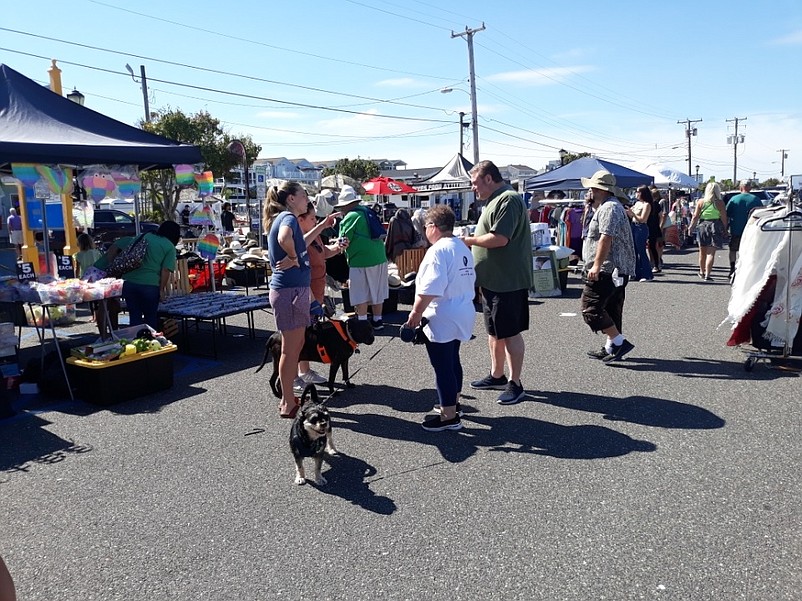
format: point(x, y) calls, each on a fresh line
point(387, 186)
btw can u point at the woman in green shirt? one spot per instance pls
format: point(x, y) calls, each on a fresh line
point(711, 216)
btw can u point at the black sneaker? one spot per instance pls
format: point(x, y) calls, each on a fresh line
point(490, 383)
point(512, 394)
point(619, 351)
point(436, 409)
point(435, 424)
point(377, 324)
point(600, 354)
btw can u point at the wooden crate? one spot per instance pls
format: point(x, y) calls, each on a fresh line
point(409, 261)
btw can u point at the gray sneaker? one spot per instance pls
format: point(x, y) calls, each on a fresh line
point(512, 394)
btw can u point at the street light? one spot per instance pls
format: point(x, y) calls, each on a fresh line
point(144, 87)
point(474, 124)
point(237, 148)
point(76, 97)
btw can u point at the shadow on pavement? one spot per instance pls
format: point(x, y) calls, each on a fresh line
point(500, 434)
point(26, 442)
point(348, 478)
point(696, 367)
point(647, 411)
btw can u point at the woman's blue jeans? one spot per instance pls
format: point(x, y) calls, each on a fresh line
point(444, 357)
point(643, 266)
point(143, 304)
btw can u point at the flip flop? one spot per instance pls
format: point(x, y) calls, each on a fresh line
point(292, 412)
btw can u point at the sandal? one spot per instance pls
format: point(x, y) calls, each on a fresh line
point(293, 411)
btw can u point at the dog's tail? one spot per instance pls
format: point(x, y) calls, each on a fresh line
point(309, 395)
point(264, 359)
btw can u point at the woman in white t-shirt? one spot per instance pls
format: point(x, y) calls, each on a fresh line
point(444, 291)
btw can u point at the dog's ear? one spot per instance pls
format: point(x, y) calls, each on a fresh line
point(309, 394)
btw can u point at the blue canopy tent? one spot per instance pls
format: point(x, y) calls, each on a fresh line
point(568, 176)
point(38, 126)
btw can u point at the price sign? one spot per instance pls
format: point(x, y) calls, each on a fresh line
point(65, 267)
point(25, 272)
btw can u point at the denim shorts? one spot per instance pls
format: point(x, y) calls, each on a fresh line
point(710, 233)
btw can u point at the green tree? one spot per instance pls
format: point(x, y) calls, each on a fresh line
point(360, 169)
point(570, 157)
point(205, 132)
point(772, 181)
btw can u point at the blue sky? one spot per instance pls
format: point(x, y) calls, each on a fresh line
point(362, 78)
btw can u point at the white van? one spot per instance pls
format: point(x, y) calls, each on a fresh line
point(126, 205)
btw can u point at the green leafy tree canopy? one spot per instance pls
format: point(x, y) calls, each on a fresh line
point(360, 169)
point(205, 132)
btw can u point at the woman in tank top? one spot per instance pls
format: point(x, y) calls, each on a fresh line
point(710, 221)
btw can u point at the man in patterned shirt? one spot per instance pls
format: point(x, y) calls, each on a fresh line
point(609, 261)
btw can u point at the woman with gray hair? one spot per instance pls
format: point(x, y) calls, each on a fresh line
point(710, 221)
point(444, 298)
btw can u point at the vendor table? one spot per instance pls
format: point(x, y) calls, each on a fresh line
point(213, 307)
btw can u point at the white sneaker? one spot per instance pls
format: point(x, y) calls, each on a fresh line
point(312, 377)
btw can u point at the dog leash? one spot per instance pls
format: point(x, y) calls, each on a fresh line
point(373, 356)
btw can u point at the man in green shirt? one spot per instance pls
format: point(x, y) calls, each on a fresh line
point(502, 254)
point(738, 209)
point(367, 261)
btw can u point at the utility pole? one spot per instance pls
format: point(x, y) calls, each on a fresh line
point(461, 130)
point(144, 87)
point(735, 140)
point(688, 133)
point(783, 155)
point(468, 33)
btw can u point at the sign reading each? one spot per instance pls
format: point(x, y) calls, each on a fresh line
point(65, 267)
point(25, 271)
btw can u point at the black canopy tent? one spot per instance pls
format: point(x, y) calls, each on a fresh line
point(38, 126)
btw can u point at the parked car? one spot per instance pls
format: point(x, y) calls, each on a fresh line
point(111, 224)
point(764, 196)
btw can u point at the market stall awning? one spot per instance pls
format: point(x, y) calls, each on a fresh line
point(569, 176)
point(38, 126)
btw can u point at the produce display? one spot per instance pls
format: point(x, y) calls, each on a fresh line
point(146, 341)
point(58, 292)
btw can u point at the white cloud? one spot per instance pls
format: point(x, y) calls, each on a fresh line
point(537, 77)
point(792, 39)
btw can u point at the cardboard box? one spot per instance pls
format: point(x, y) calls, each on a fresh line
point(106, 383)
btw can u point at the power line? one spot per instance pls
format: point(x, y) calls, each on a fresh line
point(195, 29)
point(242, 95)
point(209, 70)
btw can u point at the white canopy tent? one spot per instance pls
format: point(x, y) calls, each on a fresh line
point(664, 176)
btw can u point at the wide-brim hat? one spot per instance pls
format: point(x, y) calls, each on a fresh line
point(347, 197)
point(603, 180)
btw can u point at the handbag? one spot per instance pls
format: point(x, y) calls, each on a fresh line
point(129, 259)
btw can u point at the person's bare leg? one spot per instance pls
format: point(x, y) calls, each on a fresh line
point(498, 354)
point(293, 341)
point(514, 347)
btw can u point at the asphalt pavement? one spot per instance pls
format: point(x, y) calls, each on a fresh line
point(671, 475)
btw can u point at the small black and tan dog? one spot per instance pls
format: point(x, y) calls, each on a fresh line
point(332, 342)
point(310, 435)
